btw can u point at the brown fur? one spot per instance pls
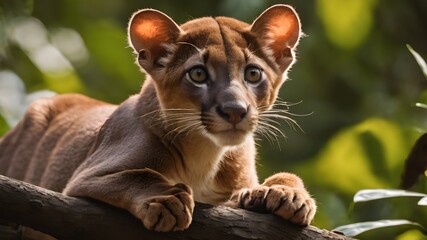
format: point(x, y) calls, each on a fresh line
point(178, 140)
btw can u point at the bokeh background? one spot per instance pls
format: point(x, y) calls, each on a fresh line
point(354, 86)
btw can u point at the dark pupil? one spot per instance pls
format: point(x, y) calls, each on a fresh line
point(198, 74)
point(253, 74)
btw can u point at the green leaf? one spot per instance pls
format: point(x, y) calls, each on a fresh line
point(355, 229)
point(373, 149)
point(375, 194)
point(421, 105)
point(419, 60)
point(423, 201)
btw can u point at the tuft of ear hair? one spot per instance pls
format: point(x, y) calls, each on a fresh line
point(280, 29)
point(149, 33)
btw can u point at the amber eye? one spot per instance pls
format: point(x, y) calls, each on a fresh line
point(253, 74)
point(197, 74)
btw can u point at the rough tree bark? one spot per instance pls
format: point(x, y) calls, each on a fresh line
point(73, 218)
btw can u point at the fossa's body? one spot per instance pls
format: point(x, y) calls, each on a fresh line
point(187, 136)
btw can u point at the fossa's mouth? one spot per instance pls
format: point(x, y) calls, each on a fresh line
point(232, 132)
point(230, 137)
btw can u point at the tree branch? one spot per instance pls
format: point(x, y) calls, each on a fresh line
point(75, 218)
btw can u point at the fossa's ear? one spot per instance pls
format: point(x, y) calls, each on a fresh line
point(149, 33)
point(279, 28)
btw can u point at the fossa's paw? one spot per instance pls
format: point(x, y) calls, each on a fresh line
point(168, 212)
point(292, 204)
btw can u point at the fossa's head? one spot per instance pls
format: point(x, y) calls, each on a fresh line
point(216, 76)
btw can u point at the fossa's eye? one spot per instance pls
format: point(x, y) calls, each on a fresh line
point(253, 74)
point(197, 75)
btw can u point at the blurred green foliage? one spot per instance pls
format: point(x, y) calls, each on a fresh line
point(354, 74)
point(347, 29)
point(375, 229)
point(3, 126)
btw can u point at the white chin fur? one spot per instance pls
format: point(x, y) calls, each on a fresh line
point(229, 138)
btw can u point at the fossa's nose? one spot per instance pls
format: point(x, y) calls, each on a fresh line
point(233, 112)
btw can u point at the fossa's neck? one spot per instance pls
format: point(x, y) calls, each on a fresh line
point(197, 156)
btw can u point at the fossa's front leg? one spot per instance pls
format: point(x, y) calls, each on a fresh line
point(282, 194)
point(143, 192)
